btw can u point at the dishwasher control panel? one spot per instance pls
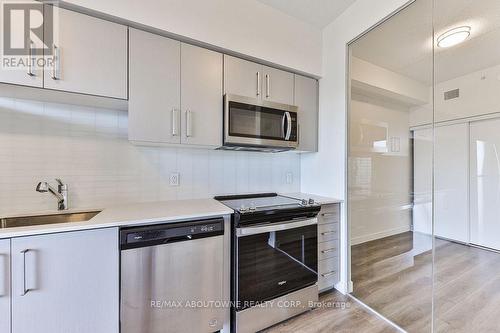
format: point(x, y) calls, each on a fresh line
point(170, 233)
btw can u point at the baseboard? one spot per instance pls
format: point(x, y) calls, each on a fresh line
point(378, 235)
point(344, 288)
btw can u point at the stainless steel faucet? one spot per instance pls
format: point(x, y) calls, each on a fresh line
point(61, 193)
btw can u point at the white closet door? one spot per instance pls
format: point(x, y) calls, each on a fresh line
point(422, 181)
point(485, 183)
point(451, 196)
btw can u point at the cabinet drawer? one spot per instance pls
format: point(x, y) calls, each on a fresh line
point(327, 249)
point(327, 273)
point(327, 282)
point(327, 232)
point(329, 214)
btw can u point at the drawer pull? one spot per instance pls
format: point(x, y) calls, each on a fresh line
point(329, 250)
point(328, 233)
point(329, 214)
point(328, 274)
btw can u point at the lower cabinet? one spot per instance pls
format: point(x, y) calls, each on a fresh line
point(4, 285)
point(328, 246)
point(65, 282)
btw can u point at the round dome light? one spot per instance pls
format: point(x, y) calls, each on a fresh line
point(453, 36)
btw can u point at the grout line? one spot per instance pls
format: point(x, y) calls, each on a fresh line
point(376, 313)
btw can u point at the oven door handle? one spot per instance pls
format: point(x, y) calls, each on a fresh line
point(242, 232)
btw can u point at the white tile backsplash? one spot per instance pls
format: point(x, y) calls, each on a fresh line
point(89, 150)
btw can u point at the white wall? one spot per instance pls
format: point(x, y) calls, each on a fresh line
point(88, 149)
point(244, 26)
point(380, 182)
point(478, 96)
point(379, 80)
point(324, 172)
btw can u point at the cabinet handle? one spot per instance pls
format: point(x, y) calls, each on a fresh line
point(189, 124)
point(333, 249)
point(25, 290)
point(268, 86)
point(328, 214)
point(175, 130)
point(30, 60)
point(258, 83)
point(328, 233)
point(328, 274)
point(55, 62)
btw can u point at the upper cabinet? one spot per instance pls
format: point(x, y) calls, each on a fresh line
point(154, 88)
point(201, 96)
point(306, 98)
point(175, 99)
point(90, 56)
point(242, 77)
point(278, 85)
point(246, 78)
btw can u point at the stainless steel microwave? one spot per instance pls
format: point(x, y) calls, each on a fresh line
point(253, 124)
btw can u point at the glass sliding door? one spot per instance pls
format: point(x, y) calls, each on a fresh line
point(390, 167)
point(467, 166)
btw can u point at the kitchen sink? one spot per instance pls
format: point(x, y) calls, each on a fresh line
point(26, 221)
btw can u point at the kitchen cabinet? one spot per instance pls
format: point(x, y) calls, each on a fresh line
point(328, 245)
point(66, 282)
point(485, 183)
point(246, 78)
point(278, 85)
point(306, 99)
point(242, 77)
point(451, 170)
point(201, 96)
point(179, 99)
point(154, 88)
point(90, 56)
point(5, 285)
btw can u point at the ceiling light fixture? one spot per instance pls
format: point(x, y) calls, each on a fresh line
point(453, 36)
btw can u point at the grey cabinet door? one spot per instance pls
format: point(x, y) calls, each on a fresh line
point(5, 285)
point(91, 56)
point(242, 77)
point(201, 96)
point(277, 86)
point(66, 282)
point(306, 98)
point(154, 88)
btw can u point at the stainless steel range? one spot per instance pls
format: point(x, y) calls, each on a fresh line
point(274, 259)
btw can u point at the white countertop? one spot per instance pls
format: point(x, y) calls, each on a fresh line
point(128, 215)
point(317, 198)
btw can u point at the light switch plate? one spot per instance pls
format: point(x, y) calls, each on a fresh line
point(174, 179)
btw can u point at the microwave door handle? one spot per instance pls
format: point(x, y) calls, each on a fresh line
point(283, 128)
point(289, 126)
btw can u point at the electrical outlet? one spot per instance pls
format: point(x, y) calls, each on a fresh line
point(289, 177)
point(174, 179)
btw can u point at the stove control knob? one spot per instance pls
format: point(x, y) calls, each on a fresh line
point(252, 207)
point(243, 208)
point(311, 201)
point(304, 202)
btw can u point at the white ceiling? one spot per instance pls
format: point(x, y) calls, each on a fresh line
point(404, 44)
point(316, 12)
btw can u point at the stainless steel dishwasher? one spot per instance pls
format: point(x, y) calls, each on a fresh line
point(172, 277)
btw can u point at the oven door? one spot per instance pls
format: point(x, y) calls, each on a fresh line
point(252, 122)
point(274, 260)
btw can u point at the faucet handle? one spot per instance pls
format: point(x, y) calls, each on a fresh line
point(59, 181)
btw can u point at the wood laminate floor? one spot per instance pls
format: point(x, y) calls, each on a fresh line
point(393, 276)
point(339, 313)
